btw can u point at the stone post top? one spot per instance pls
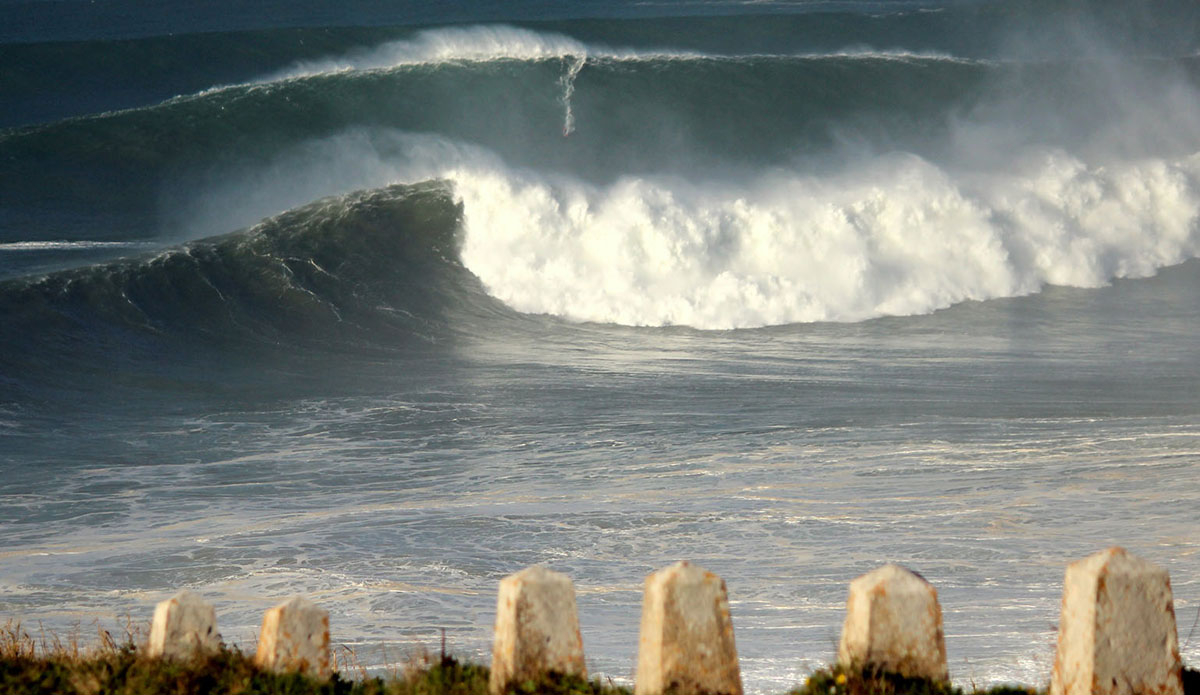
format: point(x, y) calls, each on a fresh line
point(300, 603)
point(892, 574)
point(183, 624)
point(682, 568)
point(1103, 556)
point(686, 644)
point(186, 598)
point(1117, 558)
point(893, 622)
point(1116, 632)
point(537, 573)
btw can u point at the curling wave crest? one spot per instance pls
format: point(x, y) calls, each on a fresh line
point(487, 43)
point(467, 44)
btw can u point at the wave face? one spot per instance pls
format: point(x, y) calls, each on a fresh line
point(376, 268)
point(664, 185)
point(895, 238)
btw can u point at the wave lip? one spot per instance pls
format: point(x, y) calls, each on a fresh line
point(487, 43)
point(470, 44)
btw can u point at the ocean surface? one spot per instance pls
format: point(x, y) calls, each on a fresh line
point(380, 304)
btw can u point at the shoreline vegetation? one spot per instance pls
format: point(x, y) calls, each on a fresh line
point(112, 667)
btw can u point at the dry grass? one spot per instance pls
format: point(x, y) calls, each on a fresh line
point(843, 680)
point(36, 663)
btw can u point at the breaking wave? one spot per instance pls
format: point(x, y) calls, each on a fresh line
point(717, 192)
point(896, 237)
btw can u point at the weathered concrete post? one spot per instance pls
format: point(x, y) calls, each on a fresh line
point(537, 629)
point(894, 623)
point(295, 637)
point(1116, 634)
point(183, 625)
point(686, 644)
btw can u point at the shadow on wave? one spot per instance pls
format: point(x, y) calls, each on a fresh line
point(372, 270)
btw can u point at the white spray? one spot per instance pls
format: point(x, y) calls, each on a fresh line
point(568, 84)
point(898, 236)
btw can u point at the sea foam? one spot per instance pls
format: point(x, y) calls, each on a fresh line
point(895, 236)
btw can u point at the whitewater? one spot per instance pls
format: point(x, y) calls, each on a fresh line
point(379, 310)
point(889, 234)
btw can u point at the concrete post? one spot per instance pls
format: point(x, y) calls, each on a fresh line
point(295, 637)
point(686, 644)
point(894, 623)
point(537, 629)
point(183, 625)
point(1116, 634)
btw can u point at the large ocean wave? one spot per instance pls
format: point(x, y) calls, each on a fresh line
point(661, 187)
point(893, 236)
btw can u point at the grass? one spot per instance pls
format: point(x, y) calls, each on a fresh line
point(844, 680)
point(29, 666)
point(42, 666)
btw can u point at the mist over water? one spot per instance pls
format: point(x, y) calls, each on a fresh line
point(381, 313)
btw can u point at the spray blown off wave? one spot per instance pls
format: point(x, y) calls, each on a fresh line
point(474, 44)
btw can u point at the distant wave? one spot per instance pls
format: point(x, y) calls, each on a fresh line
point(483, 44)
point(492, 43)
point(62, 245)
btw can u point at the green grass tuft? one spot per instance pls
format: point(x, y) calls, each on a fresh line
point(845, 680)
point(447, 676)
point(567, 684)
point(29, 666)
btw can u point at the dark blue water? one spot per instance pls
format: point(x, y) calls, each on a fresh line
point(379, 304)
